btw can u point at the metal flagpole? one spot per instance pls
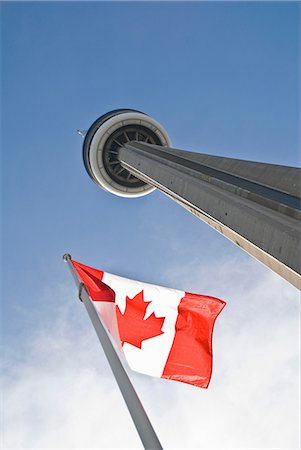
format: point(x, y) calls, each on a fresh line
point(142, 423)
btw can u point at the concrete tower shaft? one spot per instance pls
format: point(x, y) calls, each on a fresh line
point(255, 205)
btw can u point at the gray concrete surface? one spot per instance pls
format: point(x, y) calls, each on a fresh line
point(255, 205)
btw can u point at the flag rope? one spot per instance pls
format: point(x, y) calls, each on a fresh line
point(141, 421)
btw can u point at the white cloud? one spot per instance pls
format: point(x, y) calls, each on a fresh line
point(61, 394)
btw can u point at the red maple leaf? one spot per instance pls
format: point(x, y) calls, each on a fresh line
point(132, 326)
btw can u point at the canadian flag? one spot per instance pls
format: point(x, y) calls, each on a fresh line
point(163, 332)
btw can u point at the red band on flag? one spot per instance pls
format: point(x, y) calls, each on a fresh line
point(98, 291)
point(190, 357)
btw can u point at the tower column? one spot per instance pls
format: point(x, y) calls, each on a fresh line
point(255, 205)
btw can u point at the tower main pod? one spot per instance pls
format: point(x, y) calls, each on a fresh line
point(255, 205)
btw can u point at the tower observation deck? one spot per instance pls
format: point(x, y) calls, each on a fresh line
point(255, 205)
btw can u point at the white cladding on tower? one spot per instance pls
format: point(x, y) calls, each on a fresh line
point(103, 141)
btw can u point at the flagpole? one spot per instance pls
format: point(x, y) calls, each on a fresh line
point(142, 423)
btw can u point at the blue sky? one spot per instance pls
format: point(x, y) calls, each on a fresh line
point(223, 79)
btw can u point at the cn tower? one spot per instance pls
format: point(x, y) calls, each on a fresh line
point(255, 205)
